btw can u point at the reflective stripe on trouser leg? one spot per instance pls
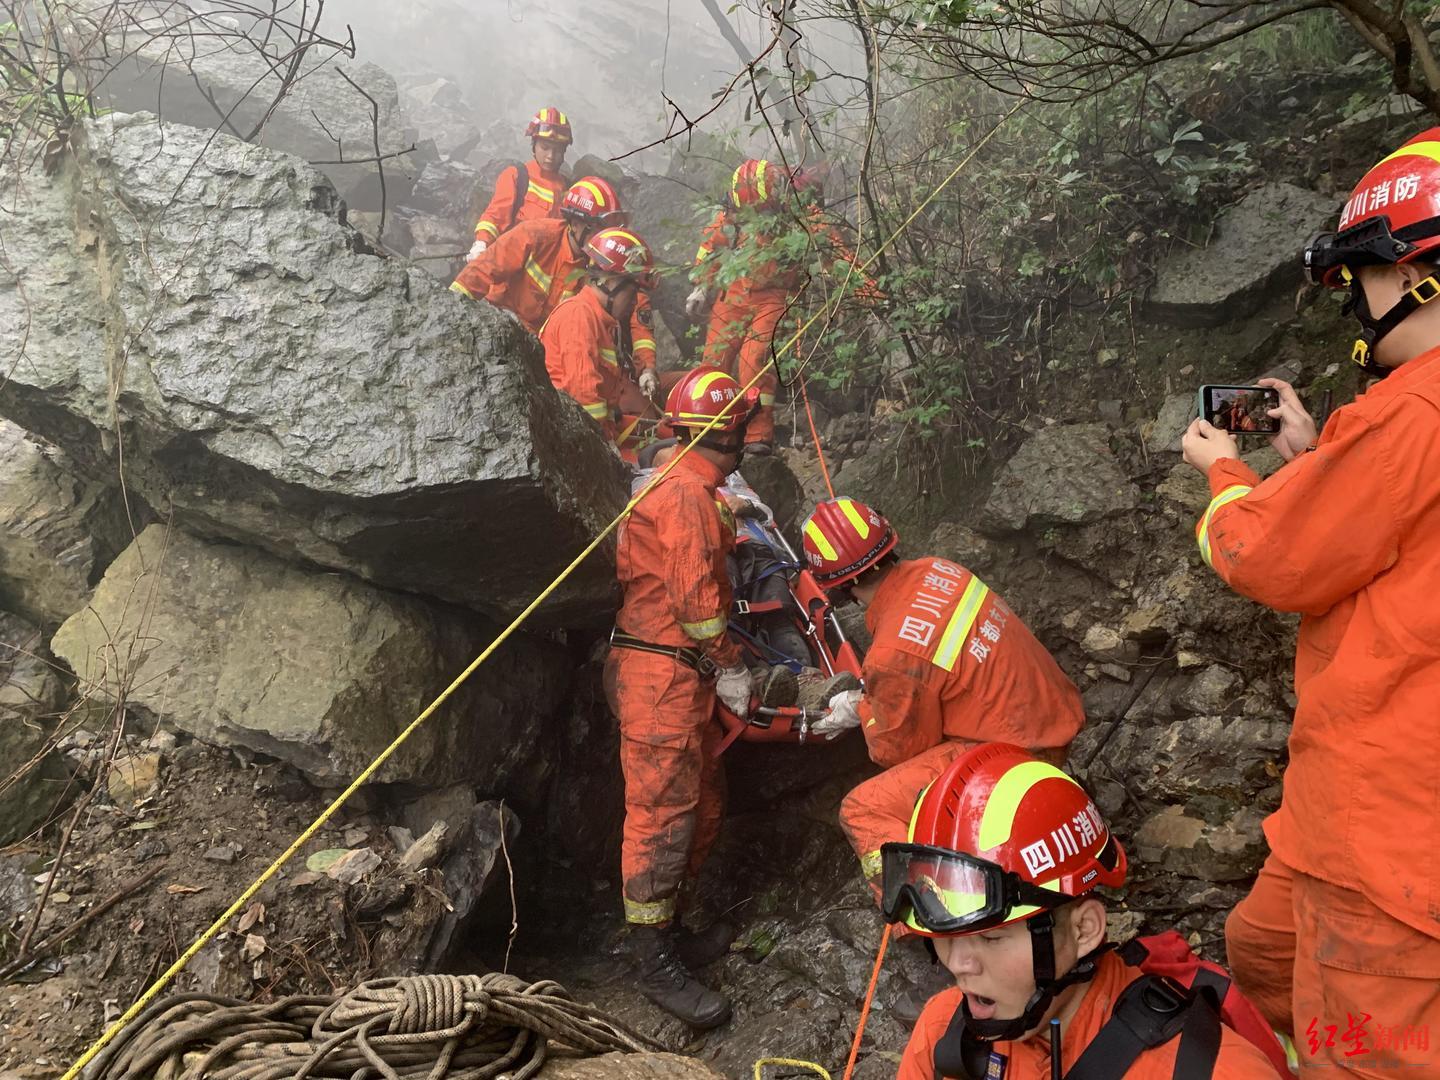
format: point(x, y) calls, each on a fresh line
point(879, 810)
point(663, 708)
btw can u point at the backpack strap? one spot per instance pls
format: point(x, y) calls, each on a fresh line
point(1150, 1012)
point(522, 189)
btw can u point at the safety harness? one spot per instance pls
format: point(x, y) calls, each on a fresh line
point(690, 657)
point(1150, 1011)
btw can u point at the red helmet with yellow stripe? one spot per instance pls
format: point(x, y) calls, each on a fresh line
point(703, 394)
point(843, 538)
point(550, 124)
point(621, 253)
point(592, 201)
point(758, 184)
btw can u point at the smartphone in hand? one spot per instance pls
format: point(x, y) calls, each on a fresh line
point(1241, 410)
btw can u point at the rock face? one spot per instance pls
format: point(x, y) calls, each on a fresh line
point(31, 701)
point(276, 386)
point(323, 117)
point(1256, 249)
point(320, 670)
point(1063, 475)
point(48, 550)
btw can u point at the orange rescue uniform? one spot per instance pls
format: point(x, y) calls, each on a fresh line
point(1349, 536)
point(950, 666)
point(540, 196)
point(748, 311)
point(670, 560)
point(580, 357)
point(1029, 1059)
point(531, 269)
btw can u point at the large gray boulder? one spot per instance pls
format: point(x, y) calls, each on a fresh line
point(1062, 475)
point(198, 311)
point(226, 85)
point(49, 553)
point(33, 780)
point(320, 670)
point(1255, 252)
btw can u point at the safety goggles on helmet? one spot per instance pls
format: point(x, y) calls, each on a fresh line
point(1331, 258)
point(949, 892)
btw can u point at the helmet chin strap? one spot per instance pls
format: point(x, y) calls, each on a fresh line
point(1373, 330)
point(1047, 986)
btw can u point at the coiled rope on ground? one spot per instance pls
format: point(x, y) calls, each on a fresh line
point(457, 1027)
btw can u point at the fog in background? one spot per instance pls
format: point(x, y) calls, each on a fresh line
point(607, 63)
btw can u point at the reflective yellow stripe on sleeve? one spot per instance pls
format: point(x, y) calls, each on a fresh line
point(643, 343)
point(487, 228)
point(608, 355)
point(537, 275)
point(599, 410)
point(649, 914)
point(456, 287)
point(871, 865)
point(1202, 530)
point(705, 629)
point(947, 652)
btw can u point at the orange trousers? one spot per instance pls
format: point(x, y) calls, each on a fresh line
point(1358, 990)
point(674, 784)
point(742, 329)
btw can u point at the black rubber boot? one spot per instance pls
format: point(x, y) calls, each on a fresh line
point(698, 950)
point(662, 978)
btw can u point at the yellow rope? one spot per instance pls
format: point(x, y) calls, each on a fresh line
point(789, 1063)
point(270, 871)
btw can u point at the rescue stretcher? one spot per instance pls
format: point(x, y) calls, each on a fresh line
point(805, 606)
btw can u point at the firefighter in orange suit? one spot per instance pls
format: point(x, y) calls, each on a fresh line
point(951, 666)
point(537, 264)
point(670, 659)
point(580, 336)
point(747, 313)
point(532, 191)
point(1345, 915)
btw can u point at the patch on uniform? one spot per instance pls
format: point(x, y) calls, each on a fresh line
point(995, 1068)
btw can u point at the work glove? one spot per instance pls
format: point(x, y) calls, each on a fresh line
point(649, 383)
point(476, 249)
point(733, 687)
point(695, 302)
point(844, 715)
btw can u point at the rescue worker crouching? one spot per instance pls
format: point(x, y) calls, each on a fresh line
point(1000, 870)
point(1343, 916)
point(670, 659)
point(581, 333)
point(531, 191)
point(950, 666)
point(538, 264)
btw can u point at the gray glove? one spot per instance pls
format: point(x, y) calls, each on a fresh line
point(695, 302)
point(844, 715)
point(733, 687)
point(649, 383)
point(476, 250)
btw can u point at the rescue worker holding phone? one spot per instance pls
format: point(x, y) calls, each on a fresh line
point(671, 658)
point(950, 666)
point(1345, 915)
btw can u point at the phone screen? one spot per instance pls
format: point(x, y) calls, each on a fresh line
point(1241, 409)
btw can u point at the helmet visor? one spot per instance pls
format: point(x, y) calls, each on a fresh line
point(949, 892)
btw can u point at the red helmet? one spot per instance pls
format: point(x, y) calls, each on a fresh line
point(620, 252)
point(999, 836)
point(550, 123)
point(592, 201)
point(757, 184)
point(843, 538)
point(1393, 216)
point(703, 394)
